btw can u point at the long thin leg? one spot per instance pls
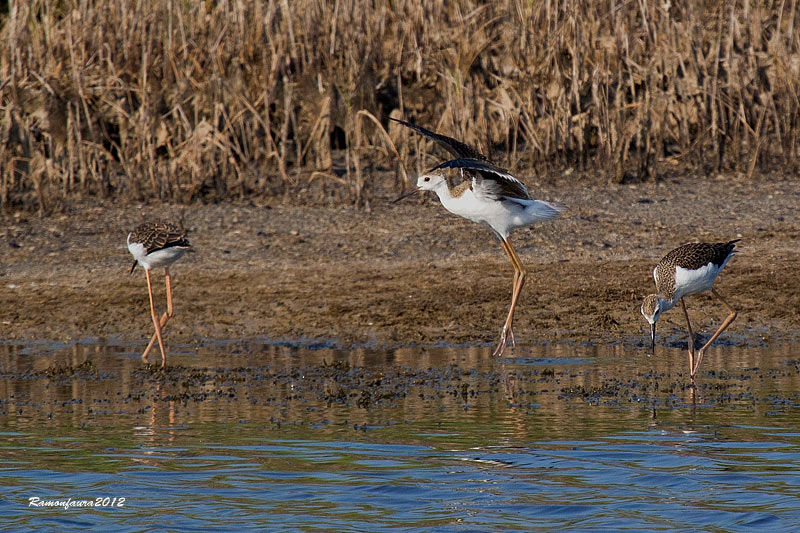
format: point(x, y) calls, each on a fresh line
point(168, 281)
point(506, 330)
point(166, 316)
point(156, 322)
point(519, 280)
point(504, 333)
point(691, 338)
point(513, 289)
point(164, 319)
point(731, 318)
point(521, 277)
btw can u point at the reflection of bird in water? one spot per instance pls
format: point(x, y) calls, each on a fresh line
point(157, 244)
point(686, 270)
point(492, 197)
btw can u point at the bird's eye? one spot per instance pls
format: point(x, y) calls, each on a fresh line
point(427, 179)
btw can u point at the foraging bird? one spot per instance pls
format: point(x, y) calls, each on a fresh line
point(157, 244)
point(686, 270)
point(492, 197)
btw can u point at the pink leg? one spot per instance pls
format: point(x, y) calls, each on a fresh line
point(166, 316)
point(691, 339)
point(513, 291)
point(519, 280)
point(156, 322)
point(723, 327)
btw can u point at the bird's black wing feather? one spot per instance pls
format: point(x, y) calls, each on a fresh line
point(457, 148)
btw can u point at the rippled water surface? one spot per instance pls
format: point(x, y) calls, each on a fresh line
point(255, 436)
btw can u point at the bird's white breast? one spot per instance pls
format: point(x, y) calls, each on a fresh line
point(470, 207)
point(157, 258)
point(165, 256)
point(137, 250)
point(502, 216)
point(695, 281)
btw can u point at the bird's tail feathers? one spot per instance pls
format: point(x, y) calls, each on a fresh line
point(544, 210)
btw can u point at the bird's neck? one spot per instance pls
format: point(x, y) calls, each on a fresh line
point(442, 190)
point(665, 304)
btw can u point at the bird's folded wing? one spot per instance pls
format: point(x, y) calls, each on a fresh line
point(159, 235)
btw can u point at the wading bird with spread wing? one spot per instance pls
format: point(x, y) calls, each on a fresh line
point(490, 196)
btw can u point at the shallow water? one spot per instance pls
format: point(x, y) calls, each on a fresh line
point(416, 438)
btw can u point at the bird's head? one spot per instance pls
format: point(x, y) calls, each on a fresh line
point(426, 182)
point(651, 310)
point(429, 182)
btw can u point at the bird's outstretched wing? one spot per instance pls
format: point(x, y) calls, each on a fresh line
point(457, 148)
point(489, 181)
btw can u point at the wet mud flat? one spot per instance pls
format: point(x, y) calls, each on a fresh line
point(410, 273)
point(278, 385)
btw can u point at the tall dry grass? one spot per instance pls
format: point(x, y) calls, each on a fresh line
point(133, 100)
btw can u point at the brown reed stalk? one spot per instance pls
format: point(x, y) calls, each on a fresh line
point(159, 100)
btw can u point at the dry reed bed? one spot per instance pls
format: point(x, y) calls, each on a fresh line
point(132, 100)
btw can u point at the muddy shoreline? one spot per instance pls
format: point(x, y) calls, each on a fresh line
point(409, 273)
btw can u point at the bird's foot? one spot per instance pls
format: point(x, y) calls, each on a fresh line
point(504, 337)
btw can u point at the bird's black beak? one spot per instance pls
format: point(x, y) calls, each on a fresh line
point(407, 194)
point(135, 262)
point(653, 338)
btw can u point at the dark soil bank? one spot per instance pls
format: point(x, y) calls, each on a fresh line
point(410, 272)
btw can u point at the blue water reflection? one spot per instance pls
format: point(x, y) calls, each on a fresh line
point(453, 443)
